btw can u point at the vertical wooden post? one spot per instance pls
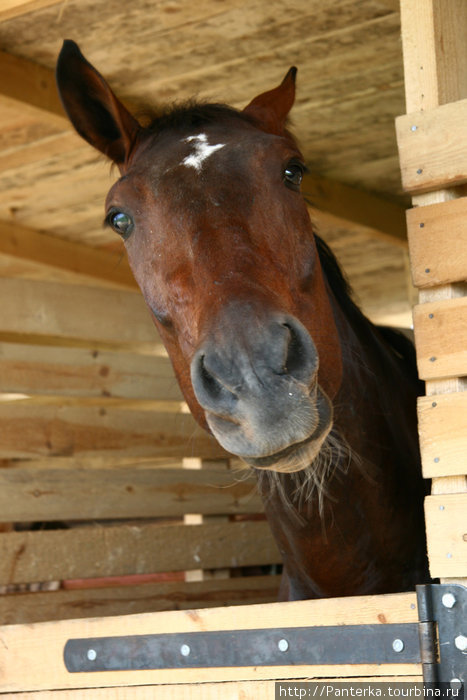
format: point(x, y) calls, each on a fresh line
point(435, 66)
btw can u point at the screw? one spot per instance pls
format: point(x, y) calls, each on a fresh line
point(398, 645)
point(432, 359)
point(427, 270)
point(441, 507)
point(455, 683)
point(434, 404)
point(419, 171)
point(185, 650)
point(461, 642)
point(431, 315)
point(436, 460)
point(413, 128)
point(283, 645)
point(92, 654)
point(448, 600)
point(422, 225)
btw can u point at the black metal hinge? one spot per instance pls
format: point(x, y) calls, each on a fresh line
point(437, 642)
point(442, 611)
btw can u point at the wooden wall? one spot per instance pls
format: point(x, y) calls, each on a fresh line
point(433, 153)
point(103, 468)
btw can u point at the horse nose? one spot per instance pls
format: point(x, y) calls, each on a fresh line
point(254, 365)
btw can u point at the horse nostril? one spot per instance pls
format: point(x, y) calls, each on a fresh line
point(301, 361)
point(209, 383)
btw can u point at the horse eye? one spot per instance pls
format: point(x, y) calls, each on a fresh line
point(293, 175)
point(121, 223)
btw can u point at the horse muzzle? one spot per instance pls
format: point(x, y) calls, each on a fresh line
point(257, 381)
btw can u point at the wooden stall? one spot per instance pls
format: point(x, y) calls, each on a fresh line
point(119, 517)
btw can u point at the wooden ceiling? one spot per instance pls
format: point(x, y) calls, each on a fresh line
point(350, 89)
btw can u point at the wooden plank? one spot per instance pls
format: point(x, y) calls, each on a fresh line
point(354, 206)
point(93, 551)
point(32, 87)
point(438, 233)
point(441, 338)
point(25, 608)
point(80, 261)
point(446, 524)
point(39, 647)
point(80, 372)
point(16, 8)
point(442, 424)
point(32, 494)
point(435, 68)
point(32, 430)
point(429, 150)
point(232, 690)
point(118, 317)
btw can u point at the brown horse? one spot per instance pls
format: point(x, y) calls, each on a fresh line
point(272, 355)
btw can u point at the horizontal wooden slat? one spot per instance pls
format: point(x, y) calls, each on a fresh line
point(429, 151)
point(79, 372)
point(446, 526)
point(129, 600)
point(39, 647)
point(438, 242)
point(15, 8)
point(441, 338)
point(30, 430)
point(132, 549)
point(75, 312)
point(79, 262)
point(32, 87)
point(442, 425)
point(355, 206)
point(55, 494)
point(232, 690)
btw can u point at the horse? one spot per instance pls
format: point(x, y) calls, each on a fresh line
point(272, 354)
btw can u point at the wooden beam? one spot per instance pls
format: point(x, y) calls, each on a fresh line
point(441, 338)
point(447, 534)
point(383, 218)
point(16, 8)
point(231, 690)
point(429, 150)
point(80, 262)
point(77, 314)
point(119, 550)
point(39, 648)
point(44, 495)
point(33, 429)
point(438, 232)
point(435, 67)
point(32, 86)
point(25, 608)
point(442, 423)
point(80, 372)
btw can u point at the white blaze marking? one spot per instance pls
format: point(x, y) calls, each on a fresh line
point(202, 151)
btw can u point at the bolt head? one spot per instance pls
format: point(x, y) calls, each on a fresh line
point(185, 650)
point(461, 642)
point(92, 654)
point(448, 600)
point(398, 645)
point(283, 644)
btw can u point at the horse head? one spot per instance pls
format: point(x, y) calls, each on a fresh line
point(220, 242)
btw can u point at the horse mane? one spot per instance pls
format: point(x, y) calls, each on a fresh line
point(193, 114)
point(400, 346)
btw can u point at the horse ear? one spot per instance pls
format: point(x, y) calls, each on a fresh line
point(95, 112)
point(271, 108)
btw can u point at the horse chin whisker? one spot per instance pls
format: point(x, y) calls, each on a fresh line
point(307, 478)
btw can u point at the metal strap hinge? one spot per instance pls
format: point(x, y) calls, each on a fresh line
point(442, 610)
